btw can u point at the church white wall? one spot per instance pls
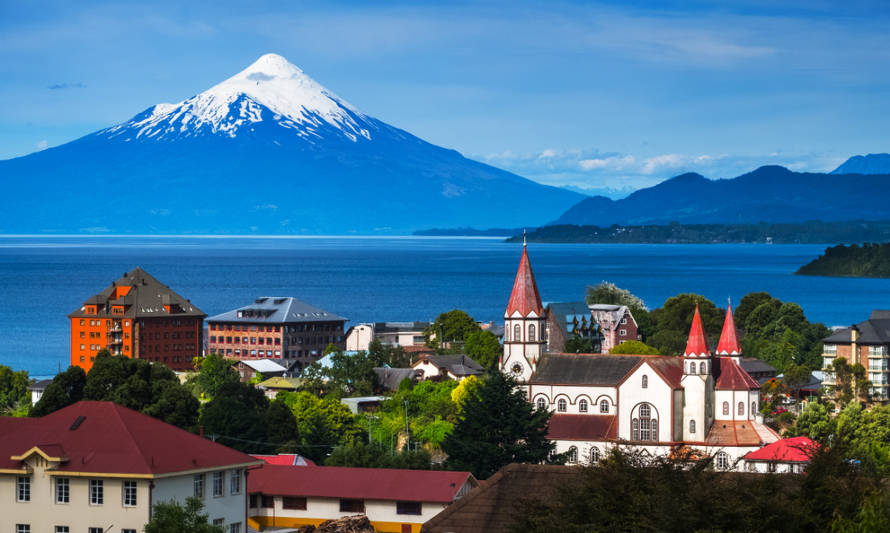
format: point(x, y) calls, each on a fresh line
point(658, 394)
point(696, 388)
point(733, 398)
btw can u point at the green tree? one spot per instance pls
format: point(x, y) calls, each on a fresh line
point(322, 423)
point(386, 355)
point(851, 382)
point(282, 427)
point(634, 348)
point(349, 374)
point(748, 304)
point(673, 320)
point(14, 394)
point(175, 405)
point(451, 327)
point(237, 417)
point(375, 455)
point(498, 426)
point(66, 389)
point(214, 372)
point(609, 293)
point(171, 517)
point(815, 422)
point(483, 347)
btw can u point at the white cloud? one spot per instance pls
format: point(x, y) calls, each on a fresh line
point(42, 145)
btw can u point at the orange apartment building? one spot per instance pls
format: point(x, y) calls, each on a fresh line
point(140, 317)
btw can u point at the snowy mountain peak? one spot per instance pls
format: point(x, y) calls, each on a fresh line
point(270, 89)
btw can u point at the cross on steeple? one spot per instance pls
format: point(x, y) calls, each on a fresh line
point(524, 243)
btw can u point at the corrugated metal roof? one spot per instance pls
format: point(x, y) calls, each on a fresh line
point(276, 310)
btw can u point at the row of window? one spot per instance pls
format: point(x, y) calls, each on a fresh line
point(238, 352)
point(63, 491)
point(167, 335)
point(703, 368)
point(239, 340)
point(176, 322)
point(167, 347)
point(517, 333)
point(26, 528)
point(562, 405)
point(217, 483)
point(741, 408)
point(239, 327)
point(347, 505)
point(593, 456)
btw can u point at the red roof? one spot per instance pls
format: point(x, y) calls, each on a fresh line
point(729, 343)
point(735, 433)
point(358, 483)
point(285, 459)
point(105, 438)
point(733, 377)
point(525, 297)
point(697, 345)
point(583, 427)
point(670, 368)
point(793, 450)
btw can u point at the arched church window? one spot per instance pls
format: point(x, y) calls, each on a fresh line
point(604, 406)
point(702, 368)
point(582, 405)
point(721, 461)
point(725, 408)
point(517, 333)
point(594, 455)
point(753, 408)
point(561, 405)
point(692, 426)
point(647, 424)
point(692, 368)
point(741, 408)
point(654, 429)
point(573, 455)
point(531, 333)
point(541, 404)
point(645, 384)
point(636, 429)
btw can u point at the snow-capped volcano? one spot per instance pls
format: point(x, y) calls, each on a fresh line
point(268, 151)
point(271, 89)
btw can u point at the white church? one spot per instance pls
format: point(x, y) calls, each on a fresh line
point(701, 403)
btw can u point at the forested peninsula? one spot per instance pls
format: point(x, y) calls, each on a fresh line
point(871, 260)
point(814, 232)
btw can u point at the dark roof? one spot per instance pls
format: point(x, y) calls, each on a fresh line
point(276, 310)
point(583, 427)
point(568, 314)
point(359, 483)
point(459, 365)
point(756, 366)
point(583, 369)
point(875, 330)
point(496, 503)
point(396, 327)
point(146, 297)
point(105, 438)
point(390, 378)
point(40, 385)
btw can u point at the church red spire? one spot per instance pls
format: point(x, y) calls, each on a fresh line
point(729, 343)
point(697, 345)
point(525, 297)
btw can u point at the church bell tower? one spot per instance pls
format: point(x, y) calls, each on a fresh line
point(524, 324)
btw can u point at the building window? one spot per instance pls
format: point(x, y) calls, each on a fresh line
point(622, 332)
point(753, 408)
point(648, 425)
point(267, 502)
point(235, 528)
point(23, 528)
point(235, 482)
point(561, 405)
point(352, 506)
point(692, 368)
point(198, 484)
point(63, 492)
point(414, 508)
point(582, 406)
point(64, 529)
point(741, 408)
point(129, 494)
point(128, 531)
point(594, 455)
point(23, 489)
point(692, 426)
point(293, 502)
point(721, 460)
point(531, 333)
point(702, 368)
point(645, 381)
point(572, 455)
point(604, 406)
point(517, 333)
point(219, 521)
point(725, 408)
point(217, 484)
point(97, 496)
point(541, 404)
point(636, 429)
point(95, 530)
point(771, 467)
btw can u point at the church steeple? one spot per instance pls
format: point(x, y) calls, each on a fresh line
point(697, 344)
point(524, 323)
point(729, 343)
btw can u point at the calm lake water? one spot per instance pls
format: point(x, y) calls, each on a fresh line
point(377, 279)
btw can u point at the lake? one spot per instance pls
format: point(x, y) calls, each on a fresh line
point(42, 279)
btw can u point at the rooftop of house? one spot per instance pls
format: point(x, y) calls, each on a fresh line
point(40, 385)
point(100, 438)
point(583, 427)
point(600, 369)
point(875, 330)
point(399, 327)
point(739, 433)
point(359, 483)
point(731, 376)
point(459, 365)
point(279, 382)
point(753, 366)
point(494, 505)
point(391, 378)
point(571, 316)
point(285, 459)
point(277, 310)
point(524, 298)
point(263, 365)
point(141, 296)
point(793, 450)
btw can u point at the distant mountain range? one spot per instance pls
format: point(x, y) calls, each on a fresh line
point(768, 194)
point(865, 164)
point(268, 151)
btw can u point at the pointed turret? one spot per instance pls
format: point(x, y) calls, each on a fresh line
point(729, 343)
point(524, 298)
point(697, 345)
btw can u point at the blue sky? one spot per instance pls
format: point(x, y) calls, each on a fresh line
point(595, 95)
